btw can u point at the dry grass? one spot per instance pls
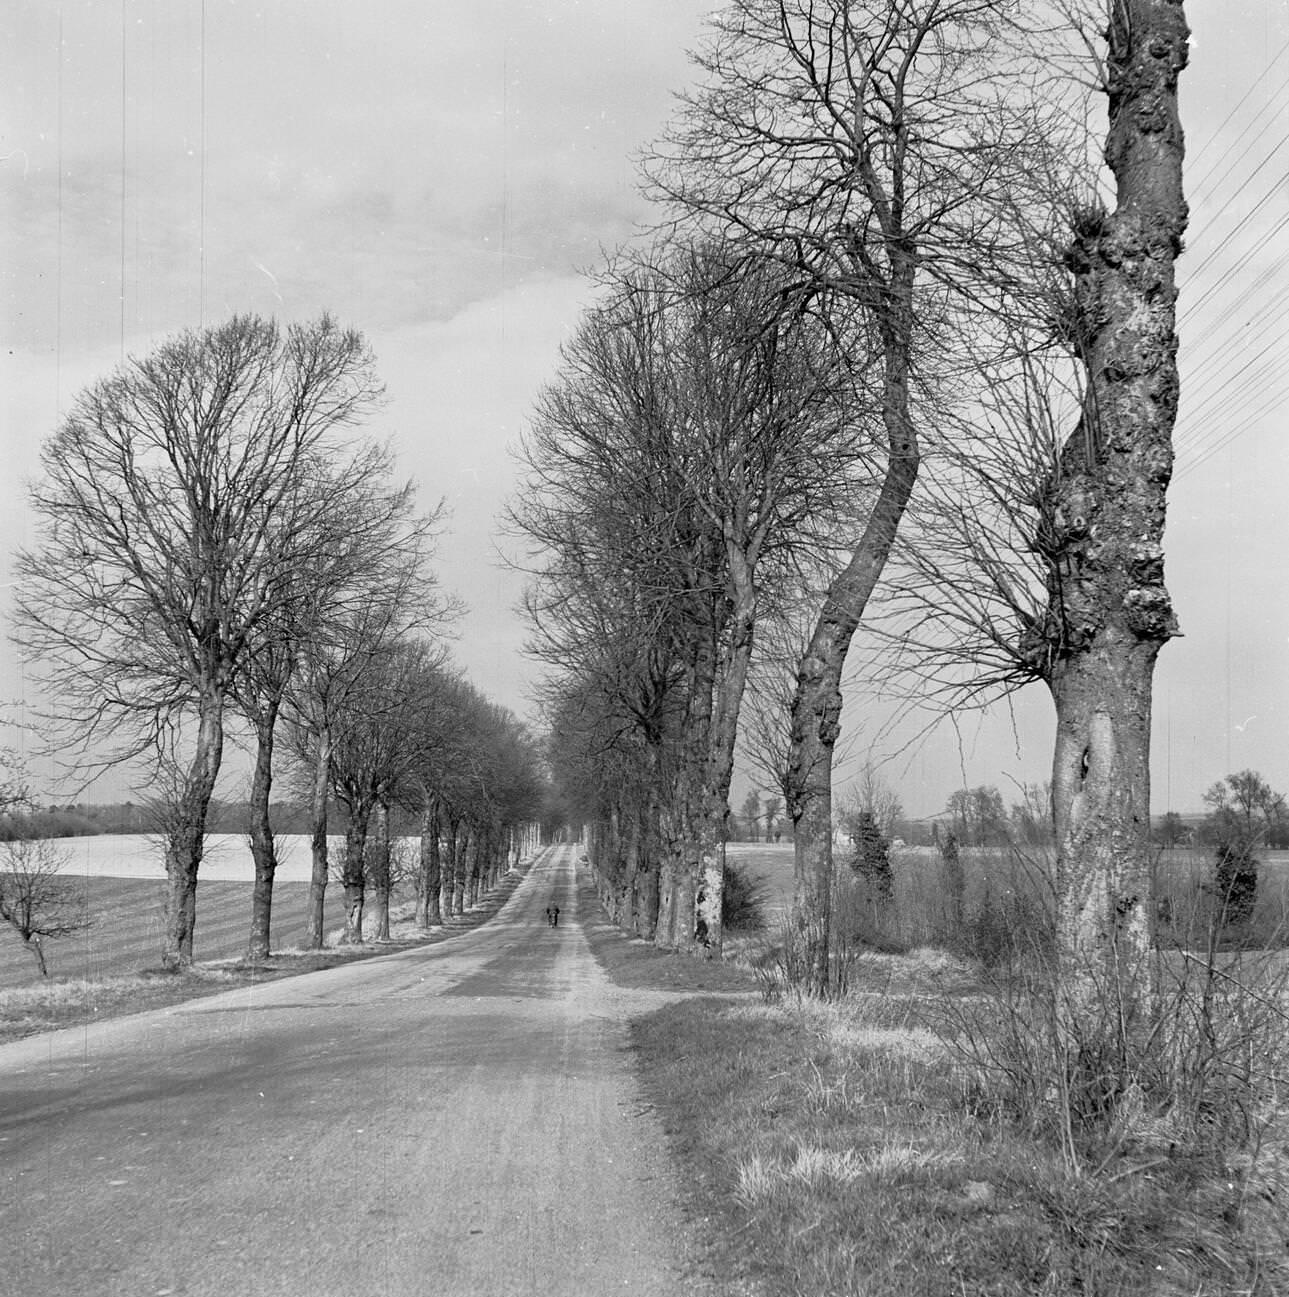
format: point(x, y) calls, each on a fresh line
point(838, 1152)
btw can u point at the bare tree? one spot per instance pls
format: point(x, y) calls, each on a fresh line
point(1045, 554)
point(699, 428)
point(36, 900)
point(1108, 611)
point(872, 148)
point(169, 503)
point(330, 669)
point(362, 556)
point(375, 751)
point(874, 797)
point(752, 814)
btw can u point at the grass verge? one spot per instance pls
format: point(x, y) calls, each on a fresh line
point(640, 965)
point(833, 1150)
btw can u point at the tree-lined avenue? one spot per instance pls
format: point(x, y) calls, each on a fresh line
point(460, 1118)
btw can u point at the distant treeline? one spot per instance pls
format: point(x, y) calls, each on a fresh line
point(86, 819)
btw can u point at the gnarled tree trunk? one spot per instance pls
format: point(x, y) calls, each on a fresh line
point(1110, 612)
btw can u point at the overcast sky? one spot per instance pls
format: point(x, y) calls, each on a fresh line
point(438, 174)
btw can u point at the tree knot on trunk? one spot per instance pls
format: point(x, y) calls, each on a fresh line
point(1149, 613)
point(1146, 563)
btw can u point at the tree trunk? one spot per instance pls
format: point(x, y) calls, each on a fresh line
point(729, 686)
point(315, 931)
point(263, 851)
point(450, 867)
point(379, 871)
point(647, 881)
point(186, 834)
point(664, 933)
point(428, 912)
point(37, 949)
point(816, 703)
point(460, 865)
point(1110, 612)
point(685, 853)
point(354, 875)
point(627, 914)
point(477, 866)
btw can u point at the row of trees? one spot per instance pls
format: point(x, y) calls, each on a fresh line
point(885, 247)
point(219, 545)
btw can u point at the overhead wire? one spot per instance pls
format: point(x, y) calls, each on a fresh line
point(1214, 411)
point(1200, 187)
point(1244, 98)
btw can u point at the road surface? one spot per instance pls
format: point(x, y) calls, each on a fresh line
point(456, 1119)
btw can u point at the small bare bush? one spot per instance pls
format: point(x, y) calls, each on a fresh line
point(1201, 1072)
point(35, 900)
point(787, 968)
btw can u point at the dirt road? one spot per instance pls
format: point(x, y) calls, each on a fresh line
point(457, 1119)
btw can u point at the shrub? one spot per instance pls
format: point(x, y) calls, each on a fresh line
point(1200, 1073)
point(872, 857)
point(743, 900)
point(1235, 879)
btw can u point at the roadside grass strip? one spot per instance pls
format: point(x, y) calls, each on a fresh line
point(836, 1157)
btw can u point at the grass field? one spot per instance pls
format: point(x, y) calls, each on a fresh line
point(996, 879)
point(124, 935)
point(122, 960)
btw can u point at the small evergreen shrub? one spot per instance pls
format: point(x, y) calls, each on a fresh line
point(1235, 878)
point(872, 858)
point(743, 901)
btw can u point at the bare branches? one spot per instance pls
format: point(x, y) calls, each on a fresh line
point(35, 900)
point(175, 500)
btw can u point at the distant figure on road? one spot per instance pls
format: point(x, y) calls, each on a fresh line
point(554, 916)
point(548, 914)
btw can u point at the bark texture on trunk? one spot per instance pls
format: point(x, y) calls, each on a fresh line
point(378, 867)
point(315, 930)
point(460, 868)
point(478, 866)
point(727, 702)
point(449, 866)
point(354, 875)
point(668, 869)
point(263, 850)
point(186, 834)
point(428, 911)
point(679, 927)
point(1109, 610)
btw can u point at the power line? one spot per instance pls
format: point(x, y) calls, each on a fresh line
point(1200, 189)
point(1212, 139)
point(1251, 213)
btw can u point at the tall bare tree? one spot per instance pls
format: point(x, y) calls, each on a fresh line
point(703, 421)
point(168, 505)
point(362, 558)
point(1108, 612)
point(872, 147)
point(1044, 555)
